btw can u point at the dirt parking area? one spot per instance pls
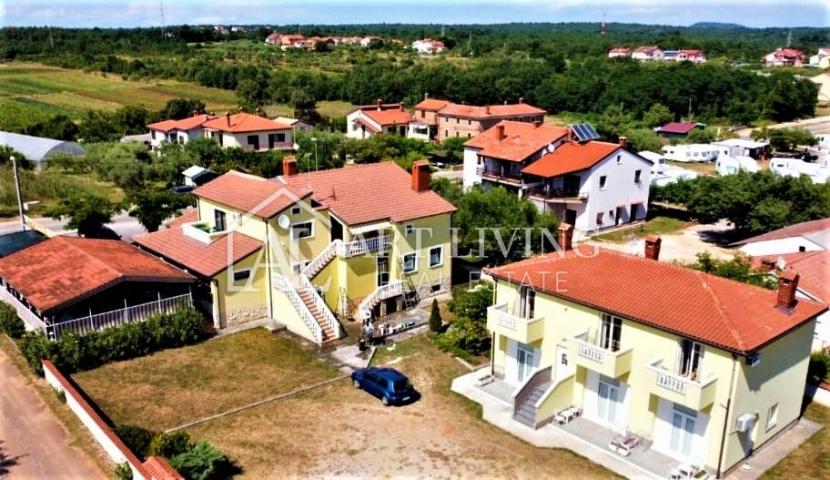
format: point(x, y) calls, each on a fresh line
point(331, 431)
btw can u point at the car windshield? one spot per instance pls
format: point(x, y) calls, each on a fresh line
point(400, 385)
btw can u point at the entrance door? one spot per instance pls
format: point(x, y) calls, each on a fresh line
point(527, 302)
point(570, 217)
point(618, 219)
point(336, 230)
point(609, 403)
point(524, 359)
point(682, 433)
point(383, 271)
point(633, 216)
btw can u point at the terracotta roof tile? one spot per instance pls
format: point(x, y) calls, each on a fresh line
point(812, 267)
point(244, 122)
point(818, 228)
point(521, 140)
point(369, 126)
point(680, 128)
point(491, 111)
point(160, 469)
point(59, 271)
point(432, 104)
point(389, 116)
point(714, 310)
point(204, 259)
point(188, 123)
point(571, 157)
point(251, 194)
point(370, 193)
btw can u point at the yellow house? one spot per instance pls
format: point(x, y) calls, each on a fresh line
point(308, 249)
point(702, 368)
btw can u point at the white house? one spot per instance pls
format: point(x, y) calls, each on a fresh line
point(802, 237)
point(619, 52)
point(647, 53)
point(249, 132)
point(366, 121)
point(177, 131)
point(823, 82)
point(821, 59)
point(693, 152)
point(428, 46)
point(498, 155)
point(819, 172)
point(591, 185)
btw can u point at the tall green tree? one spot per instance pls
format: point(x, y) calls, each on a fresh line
point(88, 213)
point(152, 207)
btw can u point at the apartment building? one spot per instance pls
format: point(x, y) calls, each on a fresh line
point(310, 249)
point(700, 369)
point(368, 120)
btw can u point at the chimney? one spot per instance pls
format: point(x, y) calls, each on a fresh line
point(487, 109)
point(420, 176)
point(380, 104)
point(565, 236)
point(652, 249)
point(570, 134)
point(500, 132)
point(426, 95)
point(537, 123)
point(521, 99)
point(228, 118)
point(787, 286)
point(289, 166)
point(400, 106)
point(623, 142)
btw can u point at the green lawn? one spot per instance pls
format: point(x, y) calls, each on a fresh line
point(655, 226)
point(812, 458)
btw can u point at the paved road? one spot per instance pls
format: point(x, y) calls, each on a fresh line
point(122, 224)
point(32, 441)
point(815, 125)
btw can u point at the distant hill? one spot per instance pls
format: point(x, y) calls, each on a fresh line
point(716, 25)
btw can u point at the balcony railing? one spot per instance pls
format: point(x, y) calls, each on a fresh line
point(612, 361)
point(499, 317)
point(556, 193)
point(391, 289)
point(363, 246)
point(498, 176)
point(33, 322)
point(691, 390)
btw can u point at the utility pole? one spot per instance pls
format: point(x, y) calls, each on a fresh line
point(162, 19)
point(690, 109)
point(19, 195)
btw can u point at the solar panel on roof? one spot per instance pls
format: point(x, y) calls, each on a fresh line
point(584, 132)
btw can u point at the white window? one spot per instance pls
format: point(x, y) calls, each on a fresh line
point(436, 256)
point(302, 230)
point(409, 229)
point(410, 262)
point(241, 275)
point(772, 416)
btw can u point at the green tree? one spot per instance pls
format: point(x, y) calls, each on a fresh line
point(201, 462)
point(785, 139)
point(657, 115)
point(737, 268)
point(641, 139)
point(435, 321)
point(10, 323)
point(123, 471)
point(450, 190)
point(152, 207)
point(467, 334)
point(179, 108)
point(88, 213)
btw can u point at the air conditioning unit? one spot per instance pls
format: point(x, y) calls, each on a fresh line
point(744, 422)
point(753, 359)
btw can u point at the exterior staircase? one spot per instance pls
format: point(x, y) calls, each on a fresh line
point(327, 329)
point(526, 413)
point(318, 263)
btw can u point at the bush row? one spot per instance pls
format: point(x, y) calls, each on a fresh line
point(72, 353)
point(10, 323)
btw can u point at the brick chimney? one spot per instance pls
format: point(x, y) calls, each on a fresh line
point(487, 109)
point(289, 166)
point(380, 104)
point(787, 286)
point(623, 142)
point(426, 95)
point(420, 176)
point(400, 106)
point(537, 123)
point(500, 132)
point(652, 248)
point(521, 99)
point(228, 118)
point(565, 236)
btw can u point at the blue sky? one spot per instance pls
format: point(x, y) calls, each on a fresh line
point(91, 13)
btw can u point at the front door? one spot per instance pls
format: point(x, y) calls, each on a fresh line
point(524, 359)
point(527, 302)
point(609, 404)
point(383, 271)
point(336, 230)
point(682, 433)
point(570, 217)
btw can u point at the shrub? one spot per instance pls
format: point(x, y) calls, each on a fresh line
point(123, 471)
point(435, 317)
point(73, 353)
point(136, 438)
point(819, 367)
point(467, 335)
point(10, 323)
point(201, 462)
point(168, 446)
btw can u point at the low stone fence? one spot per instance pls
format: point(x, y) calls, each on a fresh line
point(155, 468)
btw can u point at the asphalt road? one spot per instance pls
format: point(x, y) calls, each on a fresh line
point(122, 224)
point(32, 441)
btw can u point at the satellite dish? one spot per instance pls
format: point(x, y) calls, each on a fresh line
point(284, 222)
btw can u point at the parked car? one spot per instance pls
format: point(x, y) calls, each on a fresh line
point(388, 384)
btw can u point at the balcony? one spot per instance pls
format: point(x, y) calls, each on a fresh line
point(501, 321)
point(609, 362)
point(557, 195)
point(507, 178)
point(690, 392)
point(201, 231)
point(377, 244)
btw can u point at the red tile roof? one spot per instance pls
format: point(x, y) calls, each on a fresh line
point(789, 53)
point(62, 270)
point(389, 116)
point(431, 104)
point(571, 157)
point(204, 259)
point(188, 123)
point(251, 194)
point(620, 50)
point(717, 311)
point(244, 122)
point(370, 193)
point(490, 111)
point(189, 215)
point(521, 140)
point(821, 226)
point(812, 267)
point(680, 128)
point(159, 469)
point(369, 126)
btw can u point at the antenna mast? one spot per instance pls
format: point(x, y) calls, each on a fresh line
point(604, 29)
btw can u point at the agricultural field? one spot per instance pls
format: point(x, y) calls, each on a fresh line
point(30, 92)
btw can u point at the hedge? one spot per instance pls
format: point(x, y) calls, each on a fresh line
point(72, 353)
point(10, 323)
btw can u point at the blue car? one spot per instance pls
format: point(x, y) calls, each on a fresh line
point(388, 384)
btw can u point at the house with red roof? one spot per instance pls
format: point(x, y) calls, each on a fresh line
point(428, 46)
point(178, 131)
point(454, 120)
point(249, 132)
point(784, 57)
point(497, 156)
point(674, 369)
point(677, 129)
point(619, 52)
point(273, 39)
point(647, 53)
point(308, 250)
point(368, 120)
point(68, 284)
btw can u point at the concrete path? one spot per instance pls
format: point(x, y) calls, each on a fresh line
point(33, 442)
